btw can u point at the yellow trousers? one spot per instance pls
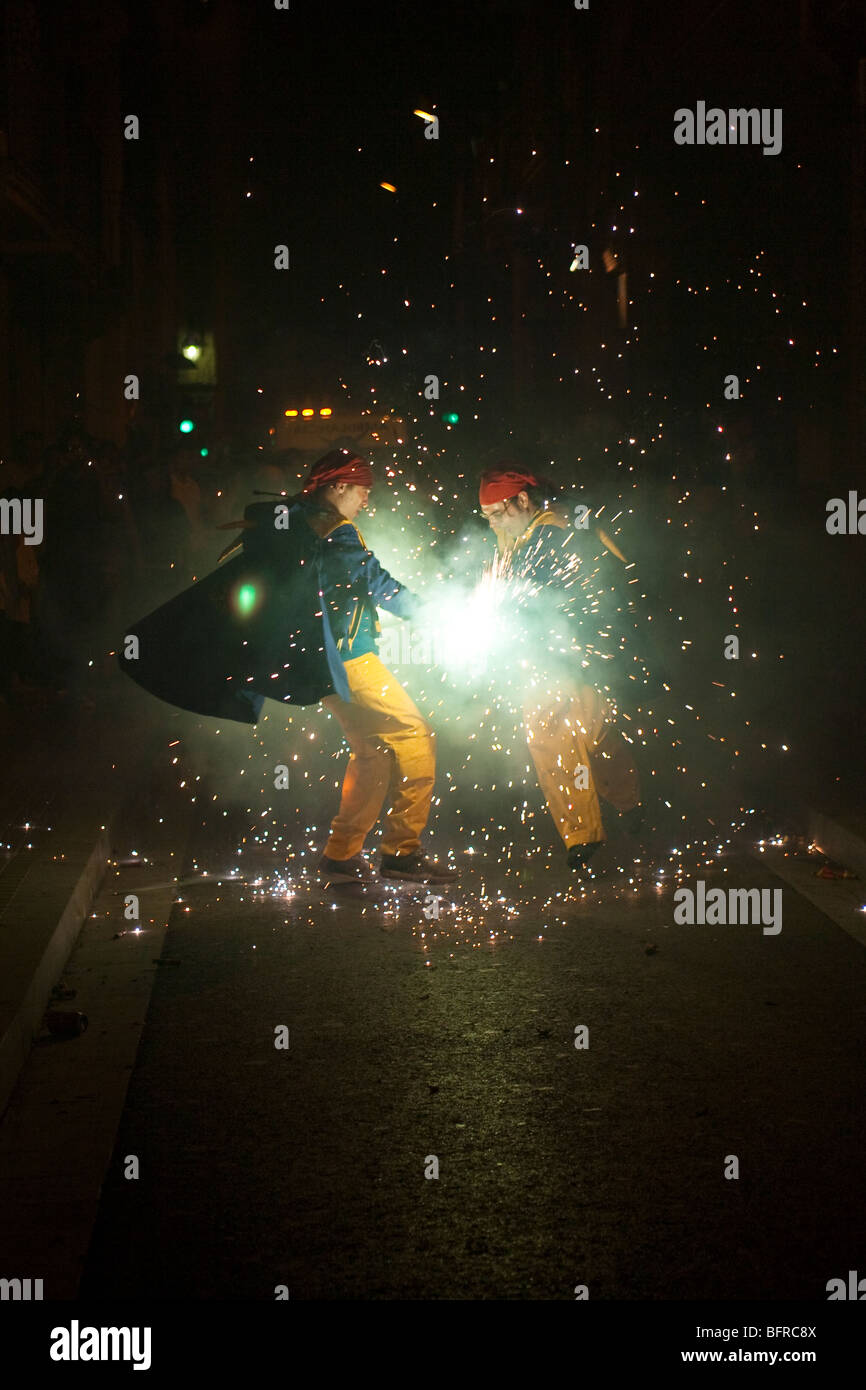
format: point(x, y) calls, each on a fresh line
point(569, 726)
point(393, 750)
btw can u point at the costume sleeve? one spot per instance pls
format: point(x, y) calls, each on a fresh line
point(348, 564)
point(545, 560)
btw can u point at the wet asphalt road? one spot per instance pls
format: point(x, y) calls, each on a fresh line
point(412, 1039)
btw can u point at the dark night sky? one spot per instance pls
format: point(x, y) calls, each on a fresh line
point(308, 87)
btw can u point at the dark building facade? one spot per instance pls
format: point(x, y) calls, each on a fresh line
point(113, 249)
point(86, 272)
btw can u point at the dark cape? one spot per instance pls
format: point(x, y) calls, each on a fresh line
point(254, 628)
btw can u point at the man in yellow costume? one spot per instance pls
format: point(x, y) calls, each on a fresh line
point(571, 733)
point(392, 745)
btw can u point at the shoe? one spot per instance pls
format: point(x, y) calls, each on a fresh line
point(632, 820)
point(354, 870)
point(417, 868)
point(580, 855)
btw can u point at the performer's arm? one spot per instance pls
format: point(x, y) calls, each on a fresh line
point(350, 563)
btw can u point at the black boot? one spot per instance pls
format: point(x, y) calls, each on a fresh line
point(354, 870)
point(580, 855)
point(416, 868)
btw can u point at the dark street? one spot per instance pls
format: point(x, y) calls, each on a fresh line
point(557, 1165)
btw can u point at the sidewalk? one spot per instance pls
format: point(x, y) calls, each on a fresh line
point(840, 831)
point(67, 770)
point(823, 789)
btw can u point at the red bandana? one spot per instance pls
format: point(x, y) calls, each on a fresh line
point(498, 484)
point(338, 467)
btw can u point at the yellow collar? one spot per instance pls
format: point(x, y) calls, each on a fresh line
point(543, 518)
point(344, 521)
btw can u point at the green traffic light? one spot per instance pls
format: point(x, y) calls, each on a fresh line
point(186, 426)
point(204, 453)
point(450, 417)
point(246, 598)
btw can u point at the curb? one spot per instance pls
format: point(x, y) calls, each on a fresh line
point(17, 1042)
point(837, 840)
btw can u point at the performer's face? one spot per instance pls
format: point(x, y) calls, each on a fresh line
point(350, 499)
point(509, 518)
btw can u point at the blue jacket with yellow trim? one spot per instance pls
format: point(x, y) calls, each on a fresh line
point(354, 584)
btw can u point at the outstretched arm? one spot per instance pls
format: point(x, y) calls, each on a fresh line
point(350, 563)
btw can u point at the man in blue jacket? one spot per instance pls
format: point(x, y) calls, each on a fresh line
point(392, 745)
